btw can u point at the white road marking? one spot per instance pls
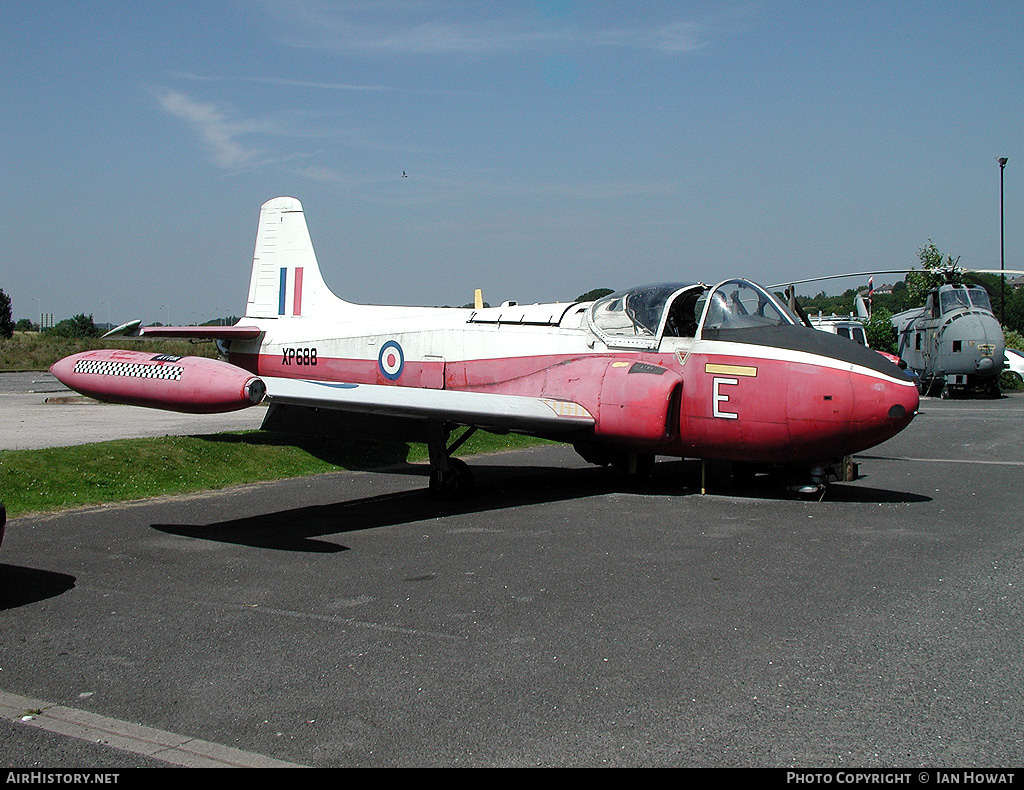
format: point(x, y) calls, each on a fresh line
point(136, 738)
point(941, 460)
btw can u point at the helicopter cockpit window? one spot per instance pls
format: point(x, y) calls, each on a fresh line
point(979, 298)
point(953, 299)
point(739, 304)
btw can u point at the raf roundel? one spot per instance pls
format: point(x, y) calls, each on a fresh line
point(391, 360)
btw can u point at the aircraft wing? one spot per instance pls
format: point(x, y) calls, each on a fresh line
point(479, 409)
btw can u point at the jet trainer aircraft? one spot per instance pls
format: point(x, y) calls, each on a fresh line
point(685, 370)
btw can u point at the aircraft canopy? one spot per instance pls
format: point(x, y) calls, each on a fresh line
point(740, 304)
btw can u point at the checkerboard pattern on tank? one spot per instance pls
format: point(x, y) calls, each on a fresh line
point(129, 369)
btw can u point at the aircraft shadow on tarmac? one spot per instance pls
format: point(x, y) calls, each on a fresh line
point(20, 586)
point(497, 488)
point(361, 454)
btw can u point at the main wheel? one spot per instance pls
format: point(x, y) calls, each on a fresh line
point(636, 466)
point(456, 482)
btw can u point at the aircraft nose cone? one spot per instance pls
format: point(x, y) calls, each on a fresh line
point(881, 410)
point(904, 402)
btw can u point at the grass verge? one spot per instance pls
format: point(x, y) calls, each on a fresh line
point(35, 351)
point(57, 478)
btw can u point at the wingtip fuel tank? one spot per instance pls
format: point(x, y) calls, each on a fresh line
point(196, 385)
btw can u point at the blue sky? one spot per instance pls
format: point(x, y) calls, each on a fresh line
point(551, 147)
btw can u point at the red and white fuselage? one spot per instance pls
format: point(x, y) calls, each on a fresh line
point(686, 397)
point(682, 370)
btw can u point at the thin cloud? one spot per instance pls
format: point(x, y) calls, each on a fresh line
point(228, 140)
point(437, 38)
point(331, 86)
point(677, 38)
point(377, 31)
point(215, 128)
point(444, 38)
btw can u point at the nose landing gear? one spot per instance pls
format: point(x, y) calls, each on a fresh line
point(844, 470)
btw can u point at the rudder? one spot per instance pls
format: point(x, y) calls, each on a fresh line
point(286, 279)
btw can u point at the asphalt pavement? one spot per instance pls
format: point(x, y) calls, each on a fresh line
point(560, 618)
point(38, 411)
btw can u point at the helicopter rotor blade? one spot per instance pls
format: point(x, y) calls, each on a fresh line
point(892, 271)
point(839, 276)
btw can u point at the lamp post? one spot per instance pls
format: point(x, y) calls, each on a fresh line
point(1002, 244)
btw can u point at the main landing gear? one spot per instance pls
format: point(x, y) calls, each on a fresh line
point(450, 478)
point(635, 466)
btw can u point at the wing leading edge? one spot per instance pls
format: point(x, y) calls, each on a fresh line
point(482, 410)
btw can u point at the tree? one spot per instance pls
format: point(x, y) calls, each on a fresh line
point(902, 299)
point(881, 334)
point(6, 319)
point(919, 283)
point(844, 304)
point(80, 326)
point(230, 320)
point(1014, 318)
point(594, 295)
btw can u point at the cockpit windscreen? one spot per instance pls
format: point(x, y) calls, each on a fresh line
point(739, 304)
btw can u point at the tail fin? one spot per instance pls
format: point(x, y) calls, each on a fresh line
point(286, 279)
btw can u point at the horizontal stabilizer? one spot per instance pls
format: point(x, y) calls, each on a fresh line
point(131, 329)
point(483, 410)
point(135, 329)
point(204, 332)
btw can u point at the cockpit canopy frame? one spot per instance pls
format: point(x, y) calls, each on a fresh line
point(741, 304)
point(636, 318)
point(640, 317)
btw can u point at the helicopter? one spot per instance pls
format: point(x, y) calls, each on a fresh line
point(953, 343)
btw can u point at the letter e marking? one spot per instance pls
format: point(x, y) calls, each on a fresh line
point(718, 397)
